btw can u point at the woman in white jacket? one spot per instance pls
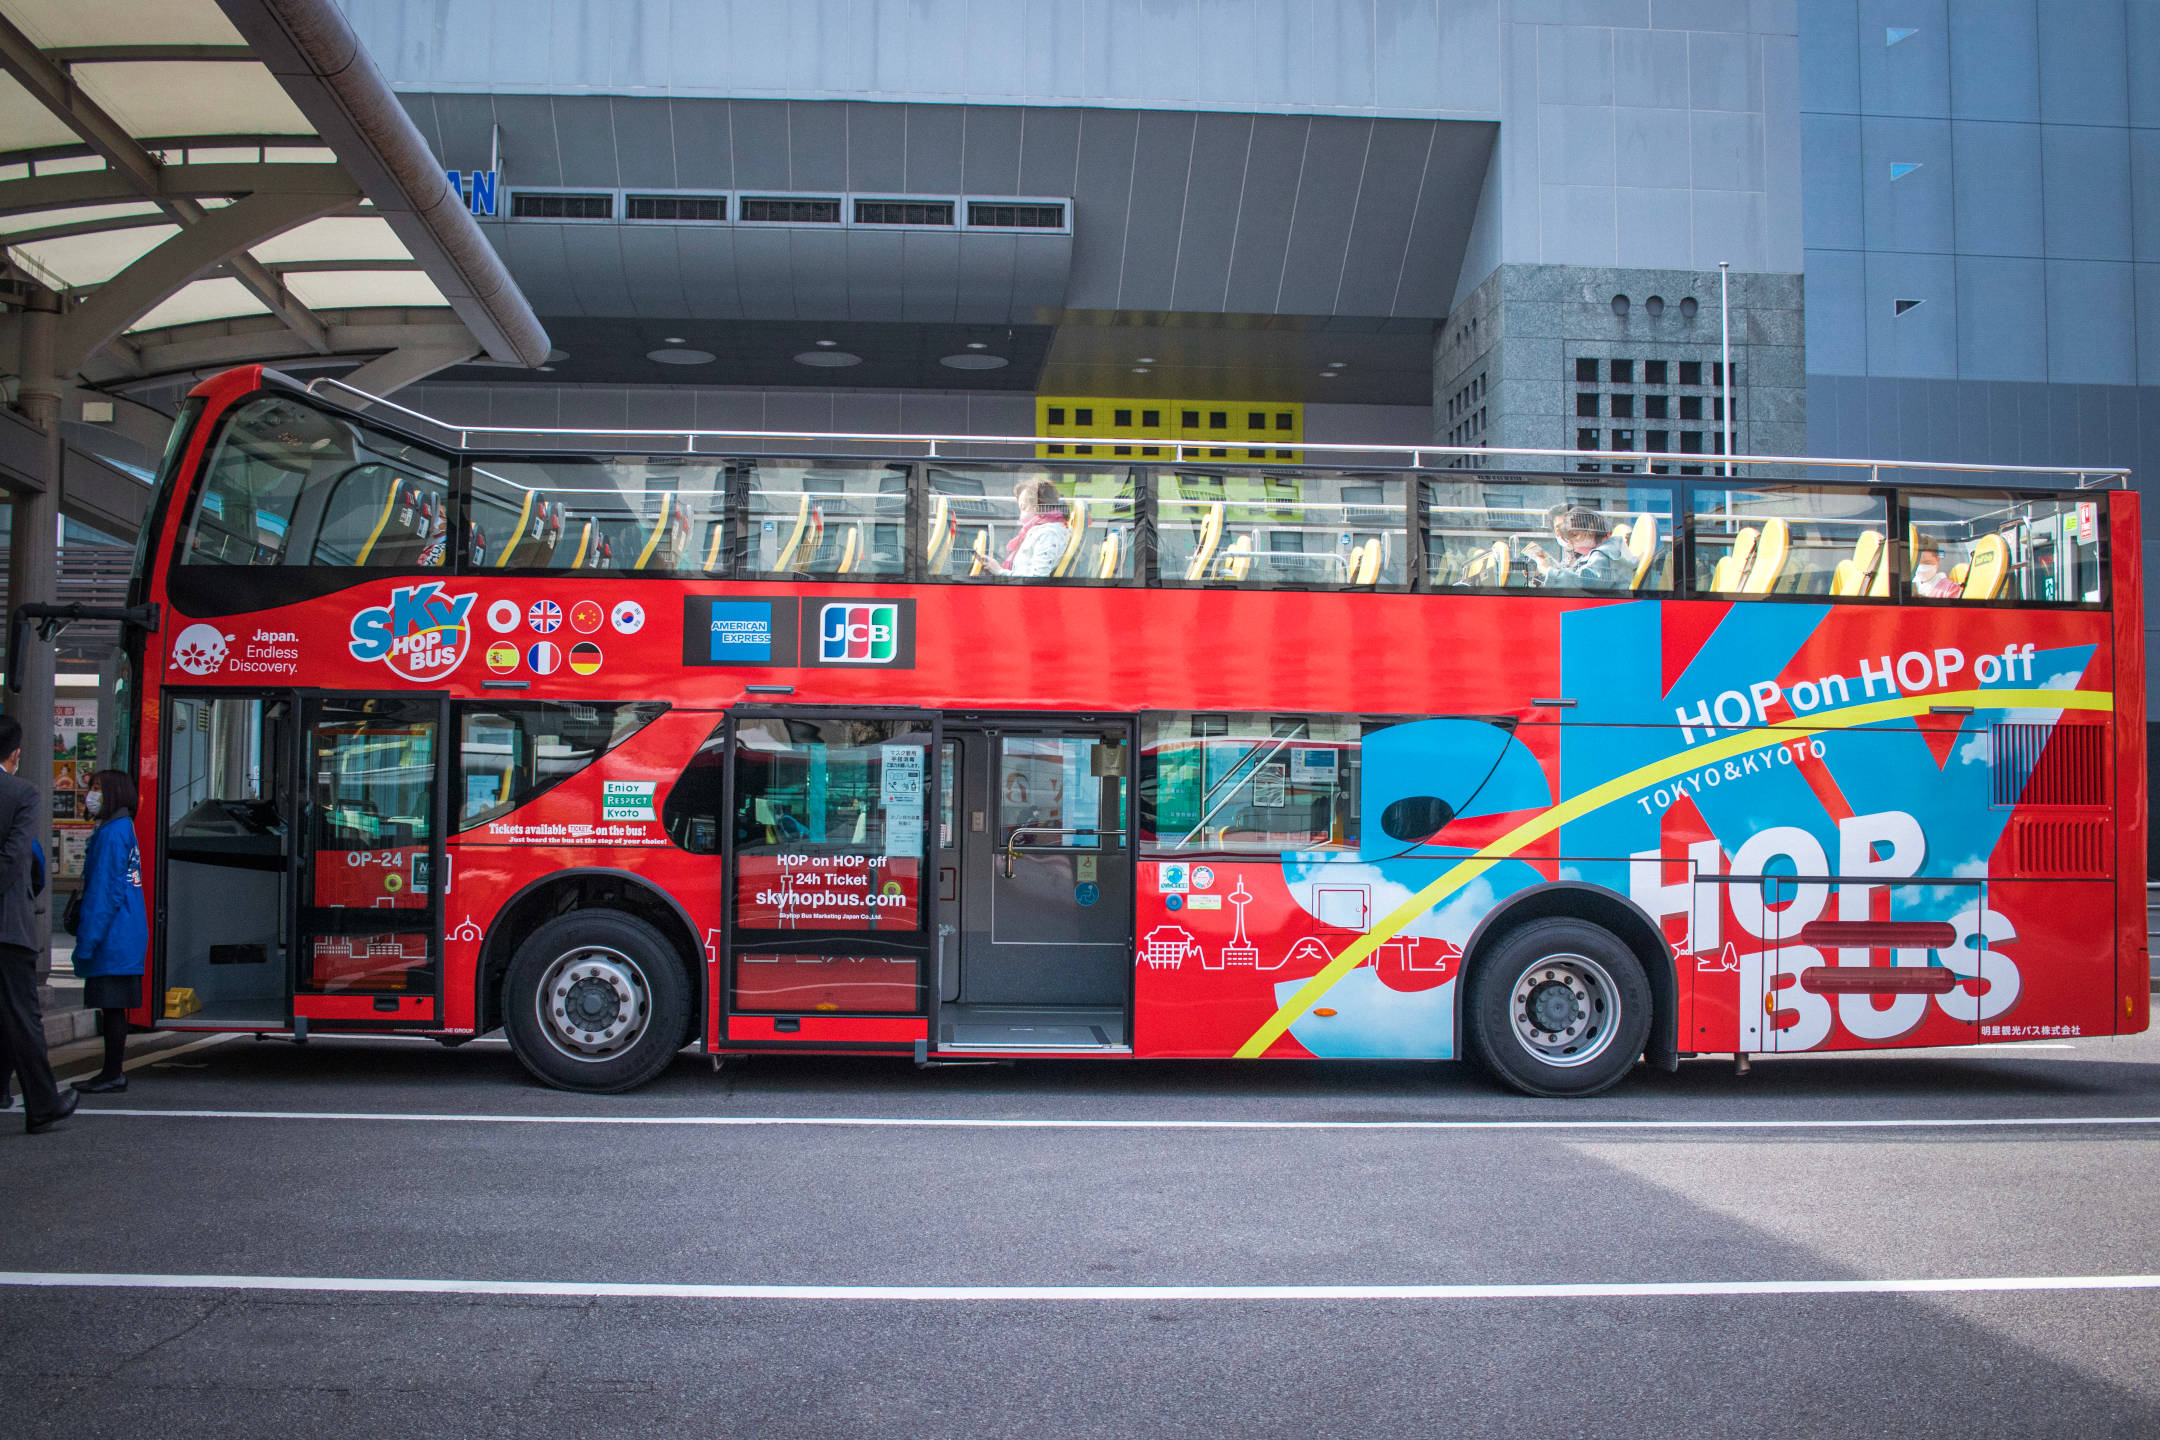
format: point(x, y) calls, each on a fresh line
point(1035, 551)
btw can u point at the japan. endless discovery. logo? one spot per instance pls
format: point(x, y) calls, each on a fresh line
point(851, 634)
point(421, 634)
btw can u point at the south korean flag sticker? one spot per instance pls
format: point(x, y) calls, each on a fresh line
point(545, 657)
point(628, 617)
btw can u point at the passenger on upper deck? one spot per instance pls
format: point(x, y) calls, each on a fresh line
point(1595, 558)
point(1928, 576)
point(1035, 551)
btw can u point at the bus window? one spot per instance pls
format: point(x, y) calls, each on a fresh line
point(1261, 783)
point(509, 753)
point(1282, 530)
point(290, 485)
point(826, 517)
point(1991, 545)
point(1787, 539)
point(1561, 534)
point(662, 514)
point(1030, 523)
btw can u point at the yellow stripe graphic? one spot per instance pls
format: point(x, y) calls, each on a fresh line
point(1620, 787)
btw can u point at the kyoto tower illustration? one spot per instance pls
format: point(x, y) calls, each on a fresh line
point(1240, 950)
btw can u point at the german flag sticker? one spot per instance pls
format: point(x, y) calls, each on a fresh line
point(585, 658)
point(502, 657)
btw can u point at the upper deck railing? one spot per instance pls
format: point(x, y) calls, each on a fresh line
point(691, 441)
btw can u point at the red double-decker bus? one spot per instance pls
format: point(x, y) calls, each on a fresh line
point(964, 749)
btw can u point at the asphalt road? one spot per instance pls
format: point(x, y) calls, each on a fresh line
point(1766, 1229)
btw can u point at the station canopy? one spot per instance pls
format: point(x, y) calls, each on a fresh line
point(160, 170)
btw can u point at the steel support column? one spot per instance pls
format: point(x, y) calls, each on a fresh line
point(34, 574)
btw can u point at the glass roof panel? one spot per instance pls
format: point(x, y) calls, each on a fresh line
point(94, 258)
point(54, 23)
point(339, 237)
point(25, 124)
point(24, 220)
point(355, 289)
point(166, 97)
point(218, 299)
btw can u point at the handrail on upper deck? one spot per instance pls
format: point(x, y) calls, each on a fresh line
point(2087, 477)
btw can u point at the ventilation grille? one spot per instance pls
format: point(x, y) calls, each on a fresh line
point(537, 205)
point(2050, 764)
point(791, 212)
point(1017, 217)
point(675, 207)
point(2060, 847)
point(903, 212)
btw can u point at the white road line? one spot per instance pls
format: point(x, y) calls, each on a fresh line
point(155, 1057)
point(903, 1122)
point(586, 1290)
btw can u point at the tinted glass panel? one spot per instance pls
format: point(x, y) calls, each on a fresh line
point(1227, 528)
point(652, 514)
point(1264, 783)
point(829, 824)
point(1786, 540)
point(1030, 524)
point(1982, 545)
point(826, 517)
point(289, 484)
point(1559, 534)
point(507, 754)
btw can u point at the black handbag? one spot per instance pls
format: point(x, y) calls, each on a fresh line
point(71, 917)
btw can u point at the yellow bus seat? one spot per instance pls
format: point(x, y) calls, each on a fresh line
point(1204, 549)
point(1076, 523)
point(943, 531)
point(715, 558)
point(1770, 554)
point(1107, 558)
point(1845, 579)
point(1237, 559)
point(658, 538)
point(850, 546)
point(1988, 569)
point(785, 560)
point(1642, 543)
point(981, 552)
point(1867, 557)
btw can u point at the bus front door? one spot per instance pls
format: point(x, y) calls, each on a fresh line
point(369, 872)
point(1041, 890)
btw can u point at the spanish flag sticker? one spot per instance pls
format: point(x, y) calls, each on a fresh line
point(544, 657)
point(502, 657)
point(585, 658)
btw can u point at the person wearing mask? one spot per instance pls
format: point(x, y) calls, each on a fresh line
point(1044, 534)
point(113, 935)
point(1593, 557)
point(22, 1023)
point(1928, 576)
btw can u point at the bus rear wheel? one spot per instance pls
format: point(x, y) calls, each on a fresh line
point(596, 1001)
point(1559, 1008)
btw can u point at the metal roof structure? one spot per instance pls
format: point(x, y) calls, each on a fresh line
point(210, 182)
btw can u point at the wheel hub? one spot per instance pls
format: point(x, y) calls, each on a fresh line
point(1564, 1009)
point(593, 1003)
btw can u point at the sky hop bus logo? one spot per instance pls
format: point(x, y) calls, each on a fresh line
point(421, 634)
point(858, 634)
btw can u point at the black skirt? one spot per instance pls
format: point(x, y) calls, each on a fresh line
point(112, 992)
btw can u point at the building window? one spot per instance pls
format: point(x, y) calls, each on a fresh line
point(1623, 372)
point(1083, 417)
point(1691, 407)
point(1623, 440)
point(1691, 372)
point(773, 210)
point(903, 212)
point(1623, 407)
point(1586, 404)
point(1150, 419)
point(675, 207)
point(1586, 372)
point(1122, 419)
point(1586, 439)
point(1653, 407)
point(527, 205)
point(1653, 372)
point(1657, 441)
point(1017, 217)
point(1691, 442)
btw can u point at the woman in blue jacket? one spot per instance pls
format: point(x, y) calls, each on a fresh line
point(113, 935)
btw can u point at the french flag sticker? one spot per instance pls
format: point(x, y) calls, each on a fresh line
point(545, 657)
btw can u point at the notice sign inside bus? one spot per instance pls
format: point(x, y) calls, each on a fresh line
point(795, 891)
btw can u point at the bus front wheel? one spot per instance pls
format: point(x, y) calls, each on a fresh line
point(1559, 1007)
point(596, 1001)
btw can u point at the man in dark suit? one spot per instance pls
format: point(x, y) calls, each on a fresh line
point(22, 1026)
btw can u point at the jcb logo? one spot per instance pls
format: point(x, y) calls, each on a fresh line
point(858, 634)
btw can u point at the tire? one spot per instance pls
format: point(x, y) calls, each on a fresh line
point(1569, 974)
point(596, 1001)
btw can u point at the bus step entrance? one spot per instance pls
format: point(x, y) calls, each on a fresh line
point(962, 1028)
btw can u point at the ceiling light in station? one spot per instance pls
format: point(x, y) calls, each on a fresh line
point(974, 362)
point(828, 359)
point(678, 356)
point(675, 340)
point(977, 345)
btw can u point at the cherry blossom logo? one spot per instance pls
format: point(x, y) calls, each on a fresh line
point(200, 650)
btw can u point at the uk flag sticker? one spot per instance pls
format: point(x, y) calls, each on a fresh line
point(544, 657)
point(545, 617)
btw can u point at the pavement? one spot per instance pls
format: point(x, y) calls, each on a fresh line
point(367, 1236)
